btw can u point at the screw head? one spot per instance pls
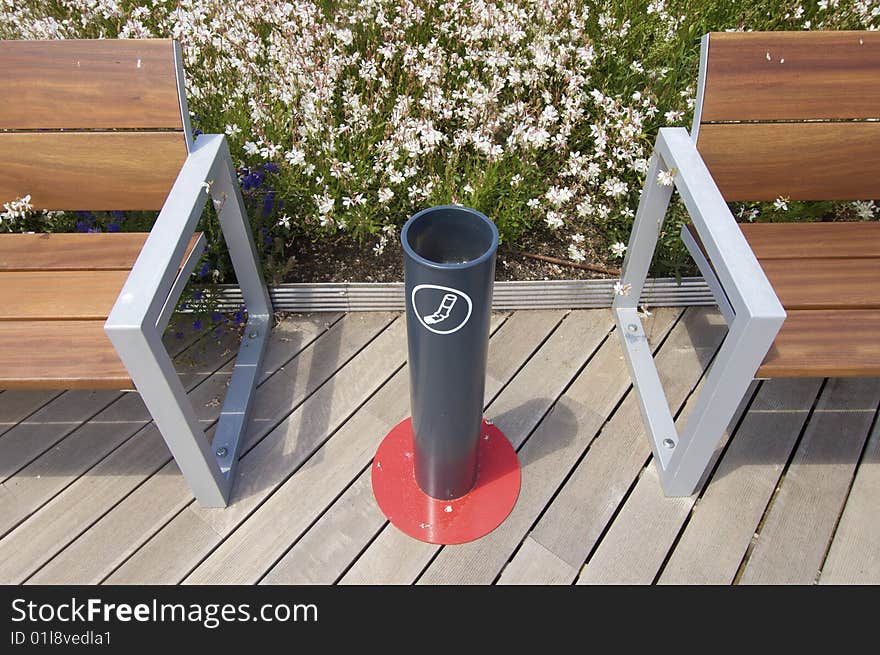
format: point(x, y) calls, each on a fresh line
point(254, 335)
point(632, 327)
point(669, 443)
point(222, 451)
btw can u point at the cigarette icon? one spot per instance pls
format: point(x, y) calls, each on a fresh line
point(443, 310)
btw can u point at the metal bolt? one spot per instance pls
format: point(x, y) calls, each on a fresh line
point(669, 443)
point(632, 327)
point(254, 335)
point(222, 451)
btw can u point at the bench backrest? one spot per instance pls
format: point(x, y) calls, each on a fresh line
point(92, 124)
point(790, 114)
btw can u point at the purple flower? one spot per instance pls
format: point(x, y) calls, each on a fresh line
point(197, 295)
point(113, 227)
point(216, 317)
point(268, 203)
point(238, 317)
point(118, 216)
point(253, 180)
point(271, 167)
point(197, 324)
point(204, 270)
point(82, 226)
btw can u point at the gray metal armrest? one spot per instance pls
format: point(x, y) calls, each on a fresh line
point(151, 291)
point(748, 302)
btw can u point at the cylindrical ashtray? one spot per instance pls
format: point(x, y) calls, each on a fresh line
point(449, 269)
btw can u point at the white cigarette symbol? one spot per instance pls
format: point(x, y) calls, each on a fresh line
point(443, 310)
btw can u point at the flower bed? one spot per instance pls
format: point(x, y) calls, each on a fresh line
point(346, 117)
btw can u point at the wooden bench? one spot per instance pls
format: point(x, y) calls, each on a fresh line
point(104, 125)
point(779, 115)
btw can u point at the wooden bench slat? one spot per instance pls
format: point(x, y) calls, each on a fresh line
point(799, 161)
point(89, 84)
point(73, 252)
point(824, 75)
point(825, 343)
point(59, 295)
point(825, 283)
point(91, 170)
point(59, 355)
point(805, 240)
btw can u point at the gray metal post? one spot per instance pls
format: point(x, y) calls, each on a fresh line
point(449, 269)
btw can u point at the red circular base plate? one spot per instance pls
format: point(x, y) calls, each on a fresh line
point(435, 521)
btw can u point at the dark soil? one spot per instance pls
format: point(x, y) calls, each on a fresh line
point(343, 260)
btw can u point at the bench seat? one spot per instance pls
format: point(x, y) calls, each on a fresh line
point(827, 277)
point(56, 291)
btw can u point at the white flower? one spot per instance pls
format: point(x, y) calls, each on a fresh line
point(622, 289)
point(353, 201)
point(284, 221)
point(673, 116)
point(781, 203)
point(232, 130)
point(515, 180)
point(295, 156)
point(865, 210)
point(558, 195)
point(379, 248)
point(251, 148)
point(576, 254)
point(615, 187)
point(533, 203)
point(385, 195)
point(17, 208)
point(468, 189)
point(554, 220)
point(324, 203)
point(618, 249)
point(666, 178)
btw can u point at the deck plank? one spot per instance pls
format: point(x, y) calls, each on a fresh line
point(324, 553)
point(793, 541)
point(537, 566)
point(647, 526)
point(122, 530)
point(573, 524)
point(724, 520)
point(546, 459)
point(396, 558)
point(854, 557)
point(73, 501)
point(268, 533)
point(16, 405)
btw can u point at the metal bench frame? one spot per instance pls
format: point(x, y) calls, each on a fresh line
point(150, 294)
point(147, 300)
point(743, 293)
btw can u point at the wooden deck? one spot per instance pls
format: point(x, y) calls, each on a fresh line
point(90, 494)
